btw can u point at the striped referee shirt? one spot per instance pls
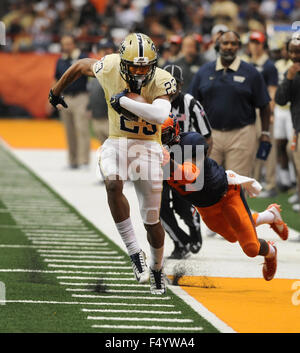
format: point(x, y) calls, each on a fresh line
point(190, 115)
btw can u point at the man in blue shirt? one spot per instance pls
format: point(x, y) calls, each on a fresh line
point(75, 118)
point(230, 90)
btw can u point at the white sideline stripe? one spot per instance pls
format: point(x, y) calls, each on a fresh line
point(159, 319)
point(79, 266)
point(71, 272)
point(131, 311)
point(85, 303)
point(95, 284)
point(137, 291)
point(118, 297)
point(82, 256)
point(97, 278)
point(202, 310)
point(139, 327)
point(77, 251)
point(86, 261)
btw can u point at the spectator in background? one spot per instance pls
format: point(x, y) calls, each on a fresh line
point(259, 58)
point(191, 58)
point(230, 90)
point(210, 54)
point(170, 50)
point(289, 92)
point(97, 106)
point(283, 126)
point(75, 117)
point(225, 11)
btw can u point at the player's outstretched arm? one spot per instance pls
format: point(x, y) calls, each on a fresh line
point(79, 68)
point(155, 113)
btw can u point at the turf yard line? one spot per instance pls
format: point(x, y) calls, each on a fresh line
point(160, 312)
point(159, 319)
point(97, 278)
point(60, 232)
point(94, 244)
point(74, 240)
point(137, 291)
point(85, 261)
point(139, 327)
point(55, 235)
point(64, 272)
point(69, 247)
point(94, 284)
point(119, 297)
point(82, 256)
point(76, 252)
point(27, 301)
point(44, 247)
point(90, 267)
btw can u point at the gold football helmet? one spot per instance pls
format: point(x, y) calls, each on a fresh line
point(138, 60)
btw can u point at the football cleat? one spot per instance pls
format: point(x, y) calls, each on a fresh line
point(270, 265)
point(278, 225)
point(157, 282)
point(139, 266)
point(195, 247)
point(180, 252)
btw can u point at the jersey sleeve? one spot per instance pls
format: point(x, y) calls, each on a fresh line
point(165, 84)
point(98, 69)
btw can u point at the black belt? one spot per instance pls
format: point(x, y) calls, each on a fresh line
point(225, 129)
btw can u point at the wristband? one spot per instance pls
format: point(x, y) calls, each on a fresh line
point(267, 133)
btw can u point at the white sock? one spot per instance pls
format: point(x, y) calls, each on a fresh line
point(271, 252)
point(126, 231)
point(265, 217)
point(156, 259)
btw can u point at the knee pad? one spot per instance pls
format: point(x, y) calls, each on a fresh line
point(251, 249)
point(150, 216)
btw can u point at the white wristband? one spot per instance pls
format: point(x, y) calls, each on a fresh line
point(267, 133)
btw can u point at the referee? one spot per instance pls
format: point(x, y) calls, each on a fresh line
point(191, 117)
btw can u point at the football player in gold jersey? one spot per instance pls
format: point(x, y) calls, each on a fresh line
point(133, 150)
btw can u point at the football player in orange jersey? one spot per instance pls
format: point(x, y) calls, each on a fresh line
point(220, 198)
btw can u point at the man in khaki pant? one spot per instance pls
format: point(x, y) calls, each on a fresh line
point(74, 118)
point(230, 90)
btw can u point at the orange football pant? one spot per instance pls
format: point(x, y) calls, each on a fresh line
point(231, 218)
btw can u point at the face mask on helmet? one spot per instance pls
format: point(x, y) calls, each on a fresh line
point(170, 131)
point(138, 60)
